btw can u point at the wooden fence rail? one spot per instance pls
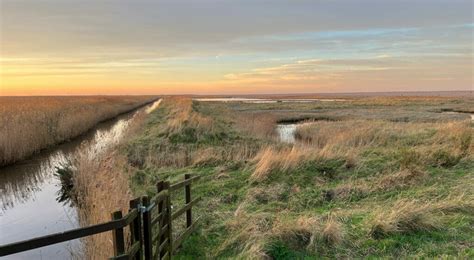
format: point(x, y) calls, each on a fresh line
point(149, 220)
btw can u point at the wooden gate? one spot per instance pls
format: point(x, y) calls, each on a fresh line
point(158, 219)
point(150, 222)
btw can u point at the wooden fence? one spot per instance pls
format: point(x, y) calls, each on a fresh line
point(149, 219)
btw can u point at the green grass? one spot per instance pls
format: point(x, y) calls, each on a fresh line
point(242, 218)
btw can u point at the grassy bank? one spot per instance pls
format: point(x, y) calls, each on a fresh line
point(99, 185)
point(388, 177)
point(29, 124)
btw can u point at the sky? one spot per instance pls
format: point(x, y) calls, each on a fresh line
point(71, 47)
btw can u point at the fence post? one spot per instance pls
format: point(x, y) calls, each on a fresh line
point(135, 227)
point(161, 222)
point(166, 185)
point(147, 240)
point(187, 189)
point(119, 241)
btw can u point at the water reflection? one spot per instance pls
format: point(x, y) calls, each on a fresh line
point(287, 132)
point(65, 175)
point(264, 101)
point(32, 203)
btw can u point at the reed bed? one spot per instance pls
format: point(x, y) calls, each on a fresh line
point(29, 124)
point(101, 186)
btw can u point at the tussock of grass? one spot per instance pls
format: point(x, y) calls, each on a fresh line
point(333, 233)
point(271, 159)
point(405, 217)
point(409, 216)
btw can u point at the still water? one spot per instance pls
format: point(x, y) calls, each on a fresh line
point(287, 132)
point(263, 100)
point(29, 190)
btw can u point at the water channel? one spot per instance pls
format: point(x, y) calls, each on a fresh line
point(29, 190)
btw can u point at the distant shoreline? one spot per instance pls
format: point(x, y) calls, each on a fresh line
point(459, 93)
point(455, 93)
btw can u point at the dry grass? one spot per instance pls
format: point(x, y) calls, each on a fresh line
point(255, 233)
point(383, 183)
point(407, 216)
point(260, 125)
point(28, 124)
point(398, 100)
point(436, 144)
point(101, 187)
point(316, 198)
point(181, 115)
point(212, 156)
point(251, 235)
point(400, 179)
point(184, 126)
point(406, 219)
point(332, 233)
point(270, 159)
point(443, 143)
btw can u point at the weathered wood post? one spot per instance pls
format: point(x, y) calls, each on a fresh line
point(187, 189)
point(119, 240)
point(168, 219)
point(147, 238)
point(161, 223)
point(136, 228)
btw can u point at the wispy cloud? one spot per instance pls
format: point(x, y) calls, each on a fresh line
point(239, 45)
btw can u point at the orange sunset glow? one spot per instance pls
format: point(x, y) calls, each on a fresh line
point(221, 47)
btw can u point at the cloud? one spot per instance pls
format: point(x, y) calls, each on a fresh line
point(368, 74)
point(173, 28)
point(238, 44)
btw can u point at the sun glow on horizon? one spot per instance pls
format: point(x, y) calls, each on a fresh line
point(53, 49)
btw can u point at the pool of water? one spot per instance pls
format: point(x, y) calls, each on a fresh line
point(459, 113)
point(287, 132)
point(263, 101)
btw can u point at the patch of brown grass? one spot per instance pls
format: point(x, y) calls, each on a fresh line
point(260, 125)
point(407, 216)
point(449, 143)
point(332, 233)
point(181, 114)
point(387, 182)
point(284, 159)
point(250, 235)
point(211, 156)
point(101, 186)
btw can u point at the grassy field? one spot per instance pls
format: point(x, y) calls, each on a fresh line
point(378, 177)
point(29, 124)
